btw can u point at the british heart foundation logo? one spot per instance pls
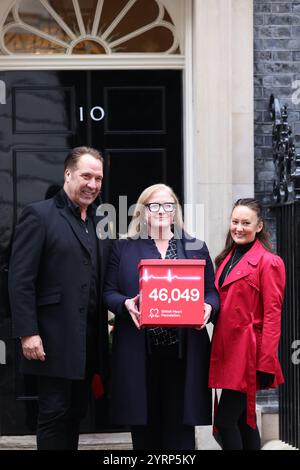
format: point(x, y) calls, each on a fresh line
point(171, 292)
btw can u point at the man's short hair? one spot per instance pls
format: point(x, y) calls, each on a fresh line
point(77, 152)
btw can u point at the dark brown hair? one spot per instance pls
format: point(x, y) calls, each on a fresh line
point(77, 152)
point(263, 236)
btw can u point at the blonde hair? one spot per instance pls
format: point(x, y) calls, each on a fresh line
point(137, 225)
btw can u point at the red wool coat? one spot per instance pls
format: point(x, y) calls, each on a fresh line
point(247, 332)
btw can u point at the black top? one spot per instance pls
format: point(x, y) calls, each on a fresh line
point(89, 231)
point(236, 256)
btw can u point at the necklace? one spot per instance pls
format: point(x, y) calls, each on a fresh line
point(232, 264)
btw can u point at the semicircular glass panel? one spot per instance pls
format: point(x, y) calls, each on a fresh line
point(94, 26)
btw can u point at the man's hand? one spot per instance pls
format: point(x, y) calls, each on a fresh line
point(32, 347)
point(131, 305)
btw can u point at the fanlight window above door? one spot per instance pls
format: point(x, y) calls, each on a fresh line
point(88, 27)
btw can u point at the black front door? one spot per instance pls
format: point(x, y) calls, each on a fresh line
point(134, 117)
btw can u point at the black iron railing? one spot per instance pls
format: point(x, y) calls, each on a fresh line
point(286, 191)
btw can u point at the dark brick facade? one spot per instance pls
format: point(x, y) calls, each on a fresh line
point(276, 70)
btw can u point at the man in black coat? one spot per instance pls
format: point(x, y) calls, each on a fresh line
point(55, 284)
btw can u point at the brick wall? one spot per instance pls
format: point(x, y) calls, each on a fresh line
point(276, 69)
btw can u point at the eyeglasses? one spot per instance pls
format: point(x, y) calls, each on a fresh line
point(167, 206)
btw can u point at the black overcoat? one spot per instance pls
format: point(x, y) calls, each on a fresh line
point(49, 282)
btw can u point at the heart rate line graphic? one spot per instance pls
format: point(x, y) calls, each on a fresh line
point(169, 277)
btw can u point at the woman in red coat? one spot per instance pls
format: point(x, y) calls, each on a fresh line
point(250, 280)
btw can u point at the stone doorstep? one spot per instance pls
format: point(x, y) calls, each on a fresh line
point(105, 441)
point(122, 441)
point(101, 441)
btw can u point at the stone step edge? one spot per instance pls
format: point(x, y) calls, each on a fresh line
point(86, 441)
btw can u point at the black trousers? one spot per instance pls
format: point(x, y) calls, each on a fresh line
point(62, 405)
point(165, 392)
point(231, 421)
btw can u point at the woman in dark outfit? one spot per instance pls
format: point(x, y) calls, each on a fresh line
point(250, 280)
point(159, 375)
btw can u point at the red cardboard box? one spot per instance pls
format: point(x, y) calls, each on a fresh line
point(171, 292)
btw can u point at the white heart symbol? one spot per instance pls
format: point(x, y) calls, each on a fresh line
point(154, 311)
